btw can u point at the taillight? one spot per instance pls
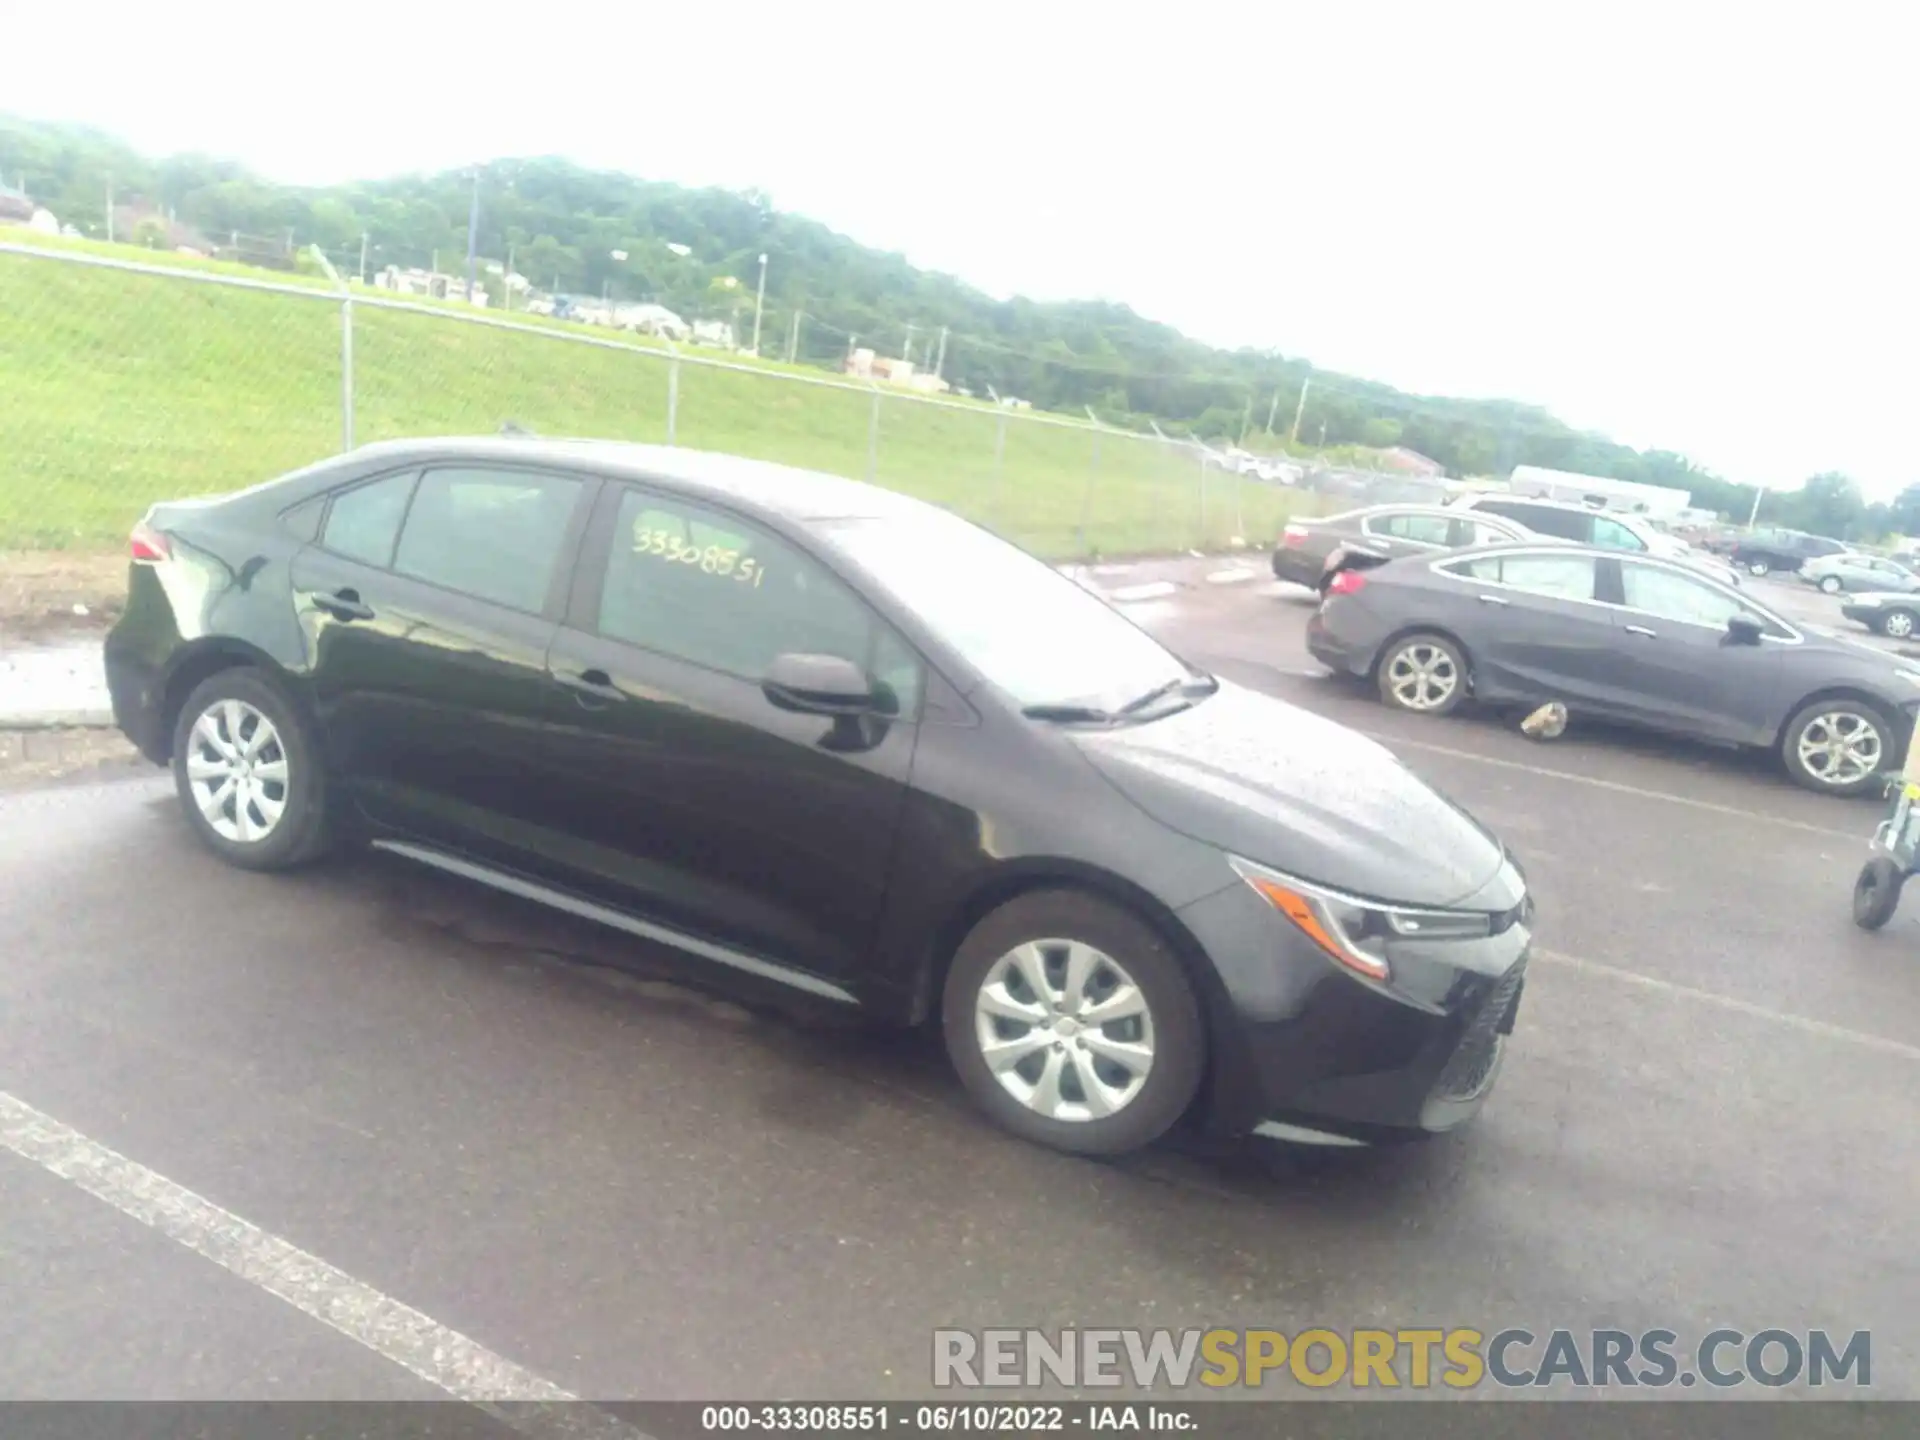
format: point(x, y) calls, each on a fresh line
point(1293, 535)
point(1347, 582)
point(147, 545)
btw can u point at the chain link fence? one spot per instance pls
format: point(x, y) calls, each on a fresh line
point(123, 382)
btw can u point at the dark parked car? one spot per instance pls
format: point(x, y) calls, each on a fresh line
point(1892, 613)
point(1766, 551)
point(828, 738)
point(1640, 641)
point(1307, 547)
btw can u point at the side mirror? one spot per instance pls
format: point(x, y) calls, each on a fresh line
point(1744, 630)
point(818, 685)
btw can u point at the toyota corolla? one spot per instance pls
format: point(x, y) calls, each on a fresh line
point(815, 735)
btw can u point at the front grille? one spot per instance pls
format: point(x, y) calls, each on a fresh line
point(1479, 1047)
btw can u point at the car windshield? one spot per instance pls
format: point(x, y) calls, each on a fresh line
point(1029, 630)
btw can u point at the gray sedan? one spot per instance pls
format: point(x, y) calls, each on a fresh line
point(1631, 639)
point(1306, 546)
point(1855, 573)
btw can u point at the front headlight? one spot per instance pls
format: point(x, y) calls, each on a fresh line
point(1352, 930)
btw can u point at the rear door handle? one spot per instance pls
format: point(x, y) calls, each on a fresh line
point(344, 605)
point(1639, 630)
point(1494, 600)
point(595, 683)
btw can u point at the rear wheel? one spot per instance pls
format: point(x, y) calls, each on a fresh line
point(248, 774)
point(1759, 565)
point(1073, 1024)
point(1838, 746)
point(1876, 892)
point(1897, 624)
point(1830, 585)
point(1425, 673)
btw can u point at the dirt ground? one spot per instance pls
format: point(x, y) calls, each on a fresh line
point(39, 590)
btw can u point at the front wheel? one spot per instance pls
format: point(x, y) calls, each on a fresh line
point(1838, 746)
point(1073, 1024)
point(1897, 624)
point(1876, 892)
point(248, 774)
point(1830, 585)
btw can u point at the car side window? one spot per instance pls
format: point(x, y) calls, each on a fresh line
point(1558, 577)
point(1421, 529)
point(494, 534)
point(703, 586)
point(1672, 596)
point(1546, 520)
point(1612, 535)
point(363, 523)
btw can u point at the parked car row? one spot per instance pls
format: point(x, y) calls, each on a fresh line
point(1636, 638)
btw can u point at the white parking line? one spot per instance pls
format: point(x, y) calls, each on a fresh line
point(456, 1364)
point(1822, 1028)
point(1151, 590)
point(1235, 576)
point(1859, 837)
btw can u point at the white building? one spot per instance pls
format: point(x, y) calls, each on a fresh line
point(1599, 491)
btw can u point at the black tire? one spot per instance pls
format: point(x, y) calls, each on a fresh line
point(301, 832)
point(1759, 566)
point(1409, 647)
point(1896, 624)
point(1830, 585)
point(1892, 746)
point(1179, 1034)
point(1876, 892)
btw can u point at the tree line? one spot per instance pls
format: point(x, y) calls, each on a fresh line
point(573, 230)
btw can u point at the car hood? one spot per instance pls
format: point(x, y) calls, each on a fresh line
point(1279, 785)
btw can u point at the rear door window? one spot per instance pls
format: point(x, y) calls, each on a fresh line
point(1420, 529)
point(1612, 535)
point(1558, 577)
point(363, 523)
point(494, 534)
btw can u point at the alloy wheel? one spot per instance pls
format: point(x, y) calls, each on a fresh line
point(1831, 585)
point(1840, 747)
point(237, 771)
point(1423, 676)
point(1758, 567)
point(1899, 625)
point(1065, 1030)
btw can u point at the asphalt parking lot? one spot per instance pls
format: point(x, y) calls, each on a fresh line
point(557, 1149)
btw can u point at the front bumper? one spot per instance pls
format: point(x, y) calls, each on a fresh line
point(1305, 1050)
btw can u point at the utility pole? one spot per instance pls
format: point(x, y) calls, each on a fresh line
point(506, 281)
point(109, 209)
point(908, 356)
point(940, 361)
point(473, 234)
point(363, 257)
point(1299, 410)
point(793, 340)
point(759, 303)
point(1246, 423)
point(1754, 514)
point(1273, 408)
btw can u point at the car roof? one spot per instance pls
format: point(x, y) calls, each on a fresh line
point(784, 490)
point(1472, 502)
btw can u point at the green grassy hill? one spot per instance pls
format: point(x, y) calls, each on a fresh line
point(119, 389)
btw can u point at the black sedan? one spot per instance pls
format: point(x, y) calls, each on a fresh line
point(831, 740)
point(1631, 639)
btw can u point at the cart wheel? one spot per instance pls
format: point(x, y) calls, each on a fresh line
point(1876, 893)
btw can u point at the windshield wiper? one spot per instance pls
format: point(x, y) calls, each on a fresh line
point(1070, 714)
point(1195, 685)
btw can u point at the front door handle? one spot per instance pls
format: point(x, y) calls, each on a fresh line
point(1639, 630)
point(344, 605)
point(1494, 600)
point(595, 684)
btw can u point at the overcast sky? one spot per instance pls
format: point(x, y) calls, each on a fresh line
point(1690, 226)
